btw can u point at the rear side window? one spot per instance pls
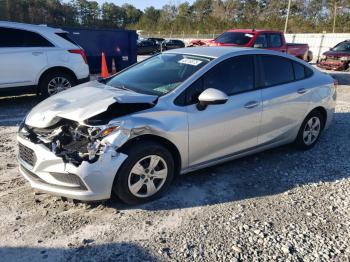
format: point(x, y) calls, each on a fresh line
point(275, 40)
point(20, 38)
point(277, 70)
point(65, 36)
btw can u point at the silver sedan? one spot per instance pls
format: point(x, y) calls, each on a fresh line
point(176, 112)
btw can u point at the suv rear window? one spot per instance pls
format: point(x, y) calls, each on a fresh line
point(65, 36)
point(234, 38)
point(11, 37)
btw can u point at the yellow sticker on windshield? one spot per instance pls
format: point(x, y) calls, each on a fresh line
point(189, 61)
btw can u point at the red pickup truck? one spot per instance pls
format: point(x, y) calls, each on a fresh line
point(267, 39)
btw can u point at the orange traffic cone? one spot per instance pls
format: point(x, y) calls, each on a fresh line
point(114, 70)
point(104, 68)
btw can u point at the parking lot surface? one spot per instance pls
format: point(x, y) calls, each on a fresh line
point(282, 204)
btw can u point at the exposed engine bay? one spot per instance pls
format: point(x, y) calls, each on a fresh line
point(75, 142)
point(67, 139)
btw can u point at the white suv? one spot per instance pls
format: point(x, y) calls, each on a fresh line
point(39, 59)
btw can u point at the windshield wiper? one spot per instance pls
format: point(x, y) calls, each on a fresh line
point(122, 87)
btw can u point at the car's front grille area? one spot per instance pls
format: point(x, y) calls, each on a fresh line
point(333, 59)
point(74, 178)
point(69, 179)
point(26, 154)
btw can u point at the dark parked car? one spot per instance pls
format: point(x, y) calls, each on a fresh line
point(157, 40)
point(173, 44)
point(337, 58)
point(147, 47)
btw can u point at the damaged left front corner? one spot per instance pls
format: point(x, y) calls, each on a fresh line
point(74, 142)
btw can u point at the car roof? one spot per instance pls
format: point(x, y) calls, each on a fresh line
point(211, 51)
point(253, 31)
point(31, 27)
point(227, 51)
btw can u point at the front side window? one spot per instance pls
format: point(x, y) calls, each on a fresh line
point(160, 74)
point(275, 40)
point(235, 38)
point(232, 76)
point(20, 38)
point(277, 70)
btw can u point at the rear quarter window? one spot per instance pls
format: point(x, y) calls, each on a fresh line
point(301, 71)
point(66, 36)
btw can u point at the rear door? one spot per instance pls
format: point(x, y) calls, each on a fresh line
point(230, 128)
point(23, 57)
point(286, 97)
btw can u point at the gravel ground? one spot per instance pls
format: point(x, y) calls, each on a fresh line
point(278, 205)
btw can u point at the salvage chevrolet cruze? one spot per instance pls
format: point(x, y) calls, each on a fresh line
point(179, 111)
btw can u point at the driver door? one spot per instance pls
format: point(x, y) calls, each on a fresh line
point(227, 129)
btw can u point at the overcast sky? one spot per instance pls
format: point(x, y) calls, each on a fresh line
point(142, 4)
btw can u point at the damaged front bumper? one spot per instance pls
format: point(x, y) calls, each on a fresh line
point(335, 66)
point(88, 180)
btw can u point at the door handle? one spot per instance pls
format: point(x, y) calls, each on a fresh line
point(251, 104)
point(37, 53)
point(302, 91)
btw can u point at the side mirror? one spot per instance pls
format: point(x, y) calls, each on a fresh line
point(211, 96)
point(258, 46)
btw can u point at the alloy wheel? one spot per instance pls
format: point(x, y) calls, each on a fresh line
point(57, 85)
point(147, 176)
point(312, 130)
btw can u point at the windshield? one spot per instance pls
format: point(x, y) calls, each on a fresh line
point(344, 46)
point(234, 38)
point(158, 75)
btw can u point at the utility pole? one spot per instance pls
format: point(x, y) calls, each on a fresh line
point(286, 24)
point(335, 16)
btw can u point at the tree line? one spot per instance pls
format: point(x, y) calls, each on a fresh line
point(203, 16)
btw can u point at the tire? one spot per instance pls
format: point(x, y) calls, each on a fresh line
point(63, 79)
point(307, 138)
point(126, 183)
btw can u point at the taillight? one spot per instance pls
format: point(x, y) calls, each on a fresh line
point(80, 52)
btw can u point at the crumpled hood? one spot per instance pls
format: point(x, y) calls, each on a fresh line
point(80, 103)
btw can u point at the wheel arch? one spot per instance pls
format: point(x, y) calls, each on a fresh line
point(56, 69)
point(323, 112)
point(160, 140)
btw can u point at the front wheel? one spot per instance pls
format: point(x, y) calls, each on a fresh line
point(310, 131)
point(145, 175)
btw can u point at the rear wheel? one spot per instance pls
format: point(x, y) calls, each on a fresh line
point(145, 175)
point(55, 82)
point(310, 131)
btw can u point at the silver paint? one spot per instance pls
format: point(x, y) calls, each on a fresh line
point(247, 123)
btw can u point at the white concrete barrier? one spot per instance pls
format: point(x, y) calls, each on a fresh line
point(318, 43)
